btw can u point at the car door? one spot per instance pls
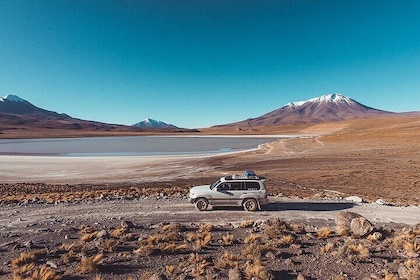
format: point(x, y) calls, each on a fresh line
point(221, 194)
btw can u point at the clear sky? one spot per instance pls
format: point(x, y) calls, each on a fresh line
point(201, 63)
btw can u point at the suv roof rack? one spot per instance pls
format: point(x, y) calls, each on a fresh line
point(250, 175)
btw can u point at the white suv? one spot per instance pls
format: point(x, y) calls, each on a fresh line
point(246, 190)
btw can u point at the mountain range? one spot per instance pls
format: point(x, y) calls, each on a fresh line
point(19, 114)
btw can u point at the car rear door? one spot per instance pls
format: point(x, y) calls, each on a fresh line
point(237, 190)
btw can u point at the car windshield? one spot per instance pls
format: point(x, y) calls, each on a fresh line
point(214, 184)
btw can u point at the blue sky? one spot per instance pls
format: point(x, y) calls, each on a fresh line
point(201, 63)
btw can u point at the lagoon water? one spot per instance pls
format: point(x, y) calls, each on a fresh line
point(129, 146)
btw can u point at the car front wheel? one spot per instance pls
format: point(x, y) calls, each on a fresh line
point(250, 205)
point(201, 204)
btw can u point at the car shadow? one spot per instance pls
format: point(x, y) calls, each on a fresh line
point(297, 206)
point(308, 206)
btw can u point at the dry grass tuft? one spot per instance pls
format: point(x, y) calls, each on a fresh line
point(407, 241)
point(199, 265)
point(228, 239)
point(274, 228)
point(256, 270)
point(228, 260)
point(203, 240)
point(25, 267)
point(411, 269)
point(173, 248)
point(324, 233)
point(327, 248)
point(108, 245)
point(90, 264)
point(246, 224)
point(287, 240)
point(44, 273)
point(87, 237)
point(356, 252)
point(119, 232)
point(390, 276)
point(342, 230)
point(170, 270)
point(27, 258)
point(206, 227)
point(177, 227)
point(253, 238)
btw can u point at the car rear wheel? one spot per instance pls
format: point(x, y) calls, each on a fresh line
point(250, 204)
point(201, 204)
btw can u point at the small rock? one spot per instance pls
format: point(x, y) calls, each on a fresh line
point(52, 264)
point(288, 262)
point(102, 234)
point(361, 226)
point(382, 202)
point(376, 236)
point(270, 255)
point(127, 224)
point(354, 198)
point(28, 244)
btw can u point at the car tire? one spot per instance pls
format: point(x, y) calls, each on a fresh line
point(201, 204)
point(250, 205)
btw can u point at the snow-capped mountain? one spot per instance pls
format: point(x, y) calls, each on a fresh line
point(151, 123)
point(13, 104)
point(11, 98)
point(326, 108)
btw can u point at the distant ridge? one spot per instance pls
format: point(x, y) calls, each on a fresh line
point(326, 108)
point(151, 123)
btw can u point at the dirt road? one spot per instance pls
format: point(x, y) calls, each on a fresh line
point(27, 217)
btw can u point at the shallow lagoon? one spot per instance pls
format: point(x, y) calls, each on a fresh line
point(130, 146)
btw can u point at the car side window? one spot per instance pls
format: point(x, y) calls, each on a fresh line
point(235, 186)
point(251, 186)
point(222, 187)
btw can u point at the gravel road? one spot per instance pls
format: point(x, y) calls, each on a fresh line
point(152, 210)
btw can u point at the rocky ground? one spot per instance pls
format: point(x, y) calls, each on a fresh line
point(149, 233)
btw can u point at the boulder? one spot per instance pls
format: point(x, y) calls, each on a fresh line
point(360, 226)
point(344, 218)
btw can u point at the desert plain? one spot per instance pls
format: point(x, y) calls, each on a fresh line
point(128, 217)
